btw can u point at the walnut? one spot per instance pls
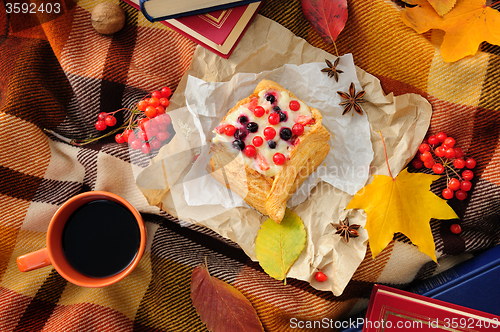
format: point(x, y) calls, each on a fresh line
point(108, 18)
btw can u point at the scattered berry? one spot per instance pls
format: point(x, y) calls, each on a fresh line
point(441, 136)
point(285, 133)
point(438, 168)
point(146, 148)
point(250, 151)
point(432, 140)
point(454, 184)
point(155, 144)
point(257, 141)
point(153, 102)
point(294, 105)
point(467, 175)
point(156, 94)
point(259, 111)
point(269, 133)
point(417, 163)
point(136, 144)
point(450, 153)
point(160, 110)
point(142, 105)
point(461, 195)
point(459, 153)
point(273, 118)
point(242, 119)
point(279, 158)
point(449, 142)
point(252, 127)
point(320, 276)
point(429, 164)
point(426, 156)
point(102, 116)
point(298, 129)
point(424, 147)
point(440, 151)
point(455, 229)
point(465, 185)
point(119, 138)
point(110, 120)
point(229, 130)
point(448, 193)
point(166, 92)
point(470, 163)
point(271, 99)
point(150, 111)
point(101, 125)
point(162, 135)
point(283, 116)
point(459, 163)
point(164, 102)
point(241, 134)
point(238, 144)
point(271, 144)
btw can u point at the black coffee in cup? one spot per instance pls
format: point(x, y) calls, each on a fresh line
point(101, 238)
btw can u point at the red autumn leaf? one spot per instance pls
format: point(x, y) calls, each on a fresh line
point(221, 306)
point(328, 17)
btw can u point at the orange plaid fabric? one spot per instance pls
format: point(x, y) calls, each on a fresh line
point(56, 72)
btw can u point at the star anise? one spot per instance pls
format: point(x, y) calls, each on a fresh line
point(353, 100)
point(345, 230)
point(332, 69)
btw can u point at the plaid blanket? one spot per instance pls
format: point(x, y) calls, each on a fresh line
point(58, 73)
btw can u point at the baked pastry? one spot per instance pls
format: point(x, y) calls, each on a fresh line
point(266, 146)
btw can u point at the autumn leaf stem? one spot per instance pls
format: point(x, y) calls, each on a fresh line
point(385, 151)
point(336, 51)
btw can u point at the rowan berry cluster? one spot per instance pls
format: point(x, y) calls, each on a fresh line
point(440, 153)
point(147, 128)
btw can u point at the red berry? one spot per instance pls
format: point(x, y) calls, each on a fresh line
point(320, 276)
point(432, 140)
point(101, 125)
point(440, 151)
point(461, 195)
point(455, 229)
point(438, 168)
point(417, 163)
point(448, 193)
point(155, 144)
point(229, 130)
point(459, 163)
point(146, 148)
point(153, 102)
point(162, 135)
point(250, 151)
point(298, 129)
point(160, 110)
point(429, 164)
point(458, 153)
point(426, 156)
point(441, 136)
point(279, 159)
point(294, 105)
point(136, 144)
point(146, 100)
point(142, 135)
point(449, 142)
point(454, 184)
point(127, 133)
point(259, 111)
point(269, 133)
point(164, 102)
point(424, 147)
point(166, 92)
point(119, 138)
point(467, 175)
point(150, 111)
point(161, 126)
point(470, 163)
point(156, 94)
point(257, 141)
point(450, 153)
point(152, 131)
point(274, 118)
point(142, 105)
point(465, 185)
point(102, 116)
point(110, 120)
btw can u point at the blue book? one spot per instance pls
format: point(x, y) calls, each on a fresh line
point(474, 284)
point(160, 10)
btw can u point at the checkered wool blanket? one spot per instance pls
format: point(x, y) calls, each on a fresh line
point(57, 73)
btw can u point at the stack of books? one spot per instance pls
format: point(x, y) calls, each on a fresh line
point(471, 287)
point(217, 25)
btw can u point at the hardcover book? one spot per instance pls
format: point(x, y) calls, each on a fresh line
point(160, 10)
point(218, 31)
point(392, 309)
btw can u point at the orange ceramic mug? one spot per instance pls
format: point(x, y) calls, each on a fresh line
point(94, 239)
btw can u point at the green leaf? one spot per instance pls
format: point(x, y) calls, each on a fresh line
point(278, 246)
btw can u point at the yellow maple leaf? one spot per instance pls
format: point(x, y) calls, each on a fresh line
point(402, 204)
point(466, 26)
point(442, 6)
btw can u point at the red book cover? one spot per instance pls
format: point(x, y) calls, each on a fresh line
point(392, 309)
point(219, 31)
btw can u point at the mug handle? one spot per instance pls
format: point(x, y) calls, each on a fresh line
point(34, 260)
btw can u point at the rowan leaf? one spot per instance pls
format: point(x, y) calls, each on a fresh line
point(466, 26)
point(328, 17)
point(278, 245)
point(442, 6)
point(220, 306)
point(404, 204)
